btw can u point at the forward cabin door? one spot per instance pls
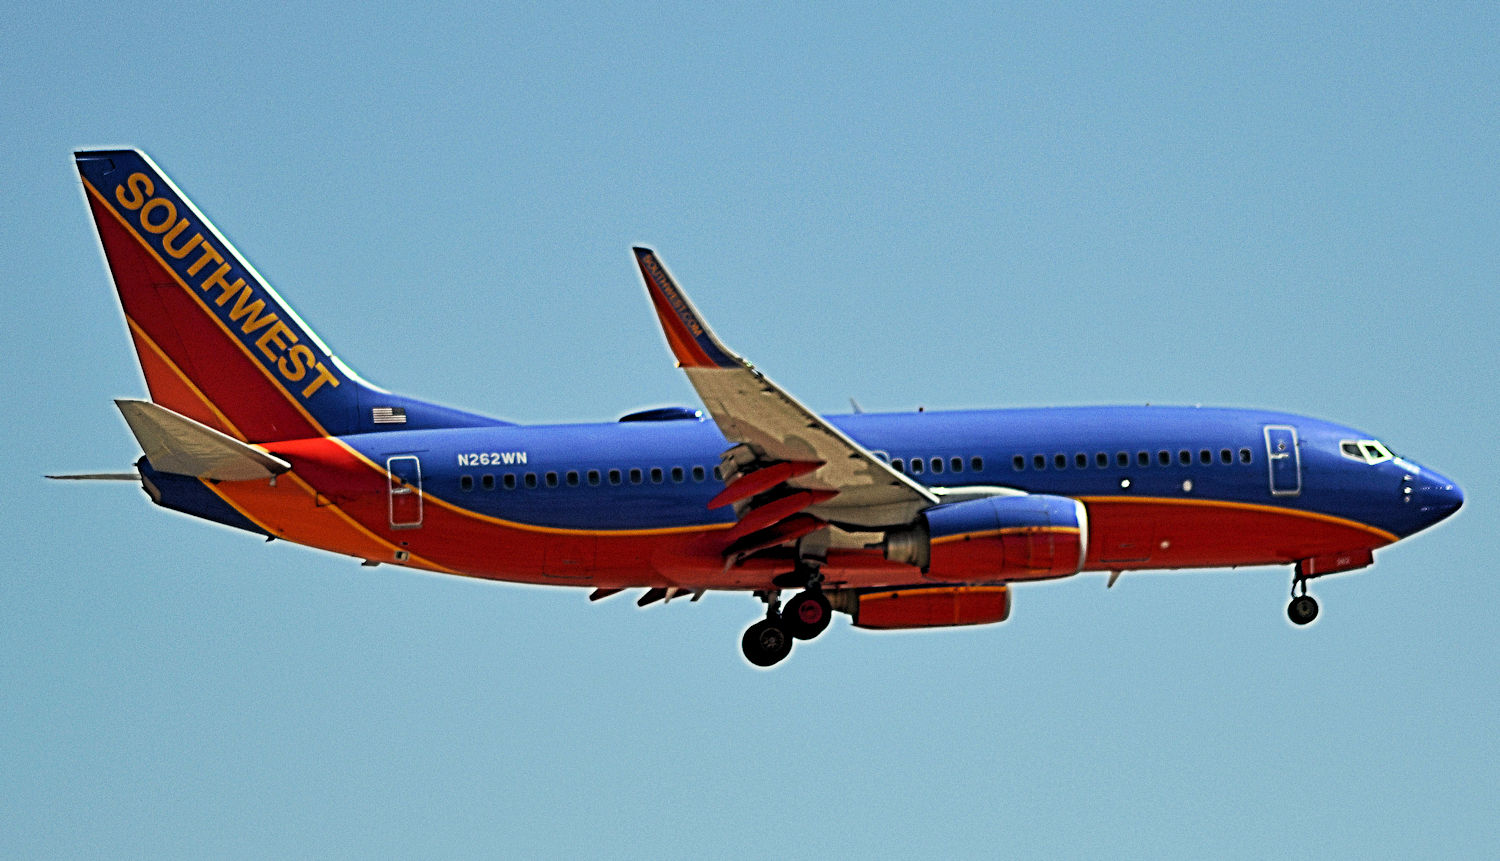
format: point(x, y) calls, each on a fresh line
point(405, 491)
point(1285, 460)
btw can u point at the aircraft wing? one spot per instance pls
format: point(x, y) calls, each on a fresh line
point(806, 472)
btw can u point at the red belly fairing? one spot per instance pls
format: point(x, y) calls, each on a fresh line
point(1130, 533)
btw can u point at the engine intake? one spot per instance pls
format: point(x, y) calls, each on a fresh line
point(1034, 537)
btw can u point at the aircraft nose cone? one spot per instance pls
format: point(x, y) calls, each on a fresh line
point(1438, 496)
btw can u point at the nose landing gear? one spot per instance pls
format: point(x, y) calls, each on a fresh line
point(1303, 608)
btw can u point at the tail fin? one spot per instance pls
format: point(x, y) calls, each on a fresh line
point(215, 342)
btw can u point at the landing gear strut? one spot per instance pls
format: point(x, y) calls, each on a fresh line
point(1303, 608)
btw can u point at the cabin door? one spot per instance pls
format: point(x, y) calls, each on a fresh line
point(1285, 460)
point(405, 491)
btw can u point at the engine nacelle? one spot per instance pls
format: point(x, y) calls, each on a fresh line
point(1033, 537)
point(924, 606)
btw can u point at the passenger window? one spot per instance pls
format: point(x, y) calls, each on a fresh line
point(699, 474)
point(1081, 460)
point(1060, 461)
point(636, 475)
point(593, 478)
point(1018, 462)
point(898, 464)
point(937, 465)
point(614, 476)
point(976, 463)
point(1245, 456)
point(1164, 457)
point(916, 466)
point(1122, 459)
point(1205, 457)
point(552, 479)
point(466, 482)
point(572, 477)
point(956, 464)
point(1143, 458)
point(1039, 461)
point(656, 475)
point(677, 474)
point(1226, 456)
point(531, 480)
point(509, 480)
point(1184, 457)
point(1101, 460)
point(487, 482)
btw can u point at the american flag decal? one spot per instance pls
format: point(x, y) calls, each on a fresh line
point(388, 415)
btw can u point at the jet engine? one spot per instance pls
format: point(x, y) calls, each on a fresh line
point(997, 538)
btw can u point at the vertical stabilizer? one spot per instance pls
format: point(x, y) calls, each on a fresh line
point(215, 341)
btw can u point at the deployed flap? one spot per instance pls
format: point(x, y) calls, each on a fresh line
point(773, 425)
point(177, 444)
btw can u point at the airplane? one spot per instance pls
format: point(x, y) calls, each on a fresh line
point(911, 520)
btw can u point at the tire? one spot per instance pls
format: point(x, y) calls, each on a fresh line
point(807, 615)
point(1302, 610)
point(766, 643)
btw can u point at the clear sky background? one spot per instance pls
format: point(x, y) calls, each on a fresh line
point(1291, 206)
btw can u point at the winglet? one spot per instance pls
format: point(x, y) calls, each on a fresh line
point(177, 444)
point(693, 343)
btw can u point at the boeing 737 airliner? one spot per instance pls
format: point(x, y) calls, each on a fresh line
point(909, 520)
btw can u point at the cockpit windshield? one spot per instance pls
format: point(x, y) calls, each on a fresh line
point(1368, 450)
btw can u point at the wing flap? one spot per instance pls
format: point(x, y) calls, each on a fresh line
point(177, 444)
point(775, 427)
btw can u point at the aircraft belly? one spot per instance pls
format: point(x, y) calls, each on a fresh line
point(1167, 533)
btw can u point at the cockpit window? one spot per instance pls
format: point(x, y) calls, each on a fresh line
point(1368, 450)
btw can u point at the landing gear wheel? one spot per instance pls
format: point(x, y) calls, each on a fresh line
point(766, 643)
point(1302, 610)
point(807, 615)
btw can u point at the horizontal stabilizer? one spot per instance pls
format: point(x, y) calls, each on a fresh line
point(98, 476)
point(175, 443)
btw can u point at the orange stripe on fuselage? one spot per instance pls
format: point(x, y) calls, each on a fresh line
point(294, 510)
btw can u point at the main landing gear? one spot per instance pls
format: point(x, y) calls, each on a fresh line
point(1303, 608)
point(769, 641)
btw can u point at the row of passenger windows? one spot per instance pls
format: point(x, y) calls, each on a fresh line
point(593, 477)
point(1122, 459)
point(936, 465)
point(916, 466)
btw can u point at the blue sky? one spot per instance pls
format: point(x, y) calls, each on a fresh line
point(1289, 206)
